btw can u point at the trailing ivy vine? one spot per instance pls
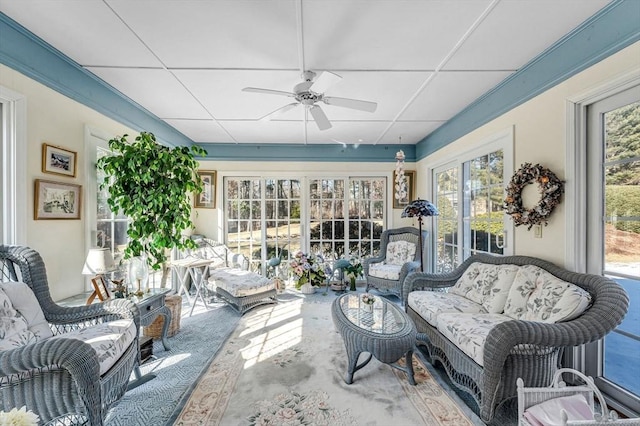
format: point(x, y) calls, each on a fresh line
point(150, 184)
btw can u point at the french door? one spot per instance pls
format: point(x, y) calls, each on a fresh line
point(613, 237)
point(468, 192)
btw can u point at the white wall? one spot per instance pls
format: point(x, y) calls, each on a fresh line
point(540, 132)
point(56, 120)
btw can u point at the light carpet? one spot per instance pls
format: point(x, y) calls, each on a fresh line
point(285, 364)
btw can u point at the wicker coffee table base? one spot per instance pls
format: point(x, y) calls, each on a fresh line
point(244, 303)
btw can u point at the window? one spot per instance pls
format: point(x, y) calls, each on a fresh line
point(468, 192)
point(264, 215)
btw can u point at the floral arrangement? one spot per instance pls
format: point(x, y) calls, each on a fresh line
point(551, 189)
point(307, 268)
point(354, 270)
point(368, 299)
point(19, 417)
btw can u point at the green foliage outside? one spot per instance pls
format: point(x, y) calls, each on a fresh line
point(150, 184)
point(623, 202)
point(357, 230)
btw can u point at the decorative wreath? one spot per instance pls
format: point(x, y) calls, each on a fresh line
point(551, 189)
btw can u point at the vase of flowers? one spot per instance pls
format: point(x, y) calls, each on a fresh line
point(353, 271)
point(367, 302)
point(307, 269)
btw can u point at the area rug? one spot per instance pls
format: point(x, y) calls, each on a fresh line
point(285, 365)
point(192, 348)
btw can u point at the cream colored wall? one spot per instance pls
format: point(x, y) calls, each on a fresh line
point(540, 134)
point(57, 120)
point(209, 222)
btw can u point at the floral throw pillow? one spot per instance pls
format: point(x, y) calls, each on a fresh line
point(400, 252)
point(14, 331)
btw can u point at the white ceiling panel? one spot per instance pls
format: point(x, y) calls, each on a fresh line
point(201, 130)
point(450, 92)
point(265, 131)
point(220, 91)
point(349, 132)
point(518, 30)
point(157, 90)
point(384, 34)
point(409, 132)
point(215, 34)
point(86, 31)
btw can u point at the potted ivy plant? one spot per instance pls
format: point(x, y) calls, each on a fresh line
point(151, 184)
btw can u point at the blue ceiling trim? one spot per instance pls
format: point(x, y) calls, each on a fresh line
point(317, 152)
point(613, 28)
point(30, 55)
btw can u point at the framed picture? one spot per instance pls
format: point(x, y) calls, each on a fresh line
point(207, 198)
point(100, 290)
point(56, 200)
point(58, 160)
point(410, 176)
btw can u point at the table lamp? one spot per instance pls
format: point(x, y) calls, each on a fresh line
point(99, 261)
point(420, 208)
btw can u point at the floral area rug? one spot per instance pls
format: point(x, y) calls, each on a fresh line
point(285, 365)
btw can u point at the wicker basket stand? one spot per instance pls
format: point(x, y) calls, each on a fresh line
point(174, 303)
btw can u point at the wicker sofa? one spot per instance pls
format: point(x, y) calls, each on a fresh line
point(494, 319)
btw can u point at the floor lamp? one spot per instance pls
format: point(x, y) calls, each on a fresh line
point(420, 208)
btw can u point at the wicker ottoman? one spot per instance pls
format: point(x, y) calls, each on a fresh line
point(174, 304)
point(243, 290)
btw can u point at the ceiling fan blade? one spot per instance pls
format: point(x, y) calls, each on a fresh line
point(320, 117)
point(279, 111)
point(351, 103)
point(325, 80)
point(268, 91)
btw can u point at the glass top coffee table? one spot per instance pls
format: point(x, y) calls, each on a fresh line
point(384, 331)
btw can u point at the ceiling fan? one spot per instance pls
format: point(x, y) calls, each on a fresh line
point(310, 92)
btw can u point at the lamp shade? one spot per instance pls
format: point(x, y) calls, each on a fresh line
point(99, 261)
point(419, 208)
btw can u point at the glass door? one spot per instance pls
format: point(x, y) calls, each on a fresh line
point(613, 237)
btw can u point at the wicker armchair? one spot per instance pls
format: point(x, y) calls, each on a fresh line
point(530, 350)
point(394, 286)
point(59, 378)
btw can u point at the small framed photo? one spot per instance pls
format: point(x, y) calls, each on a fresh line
point(58, 160)
point(57, 200)
point(207, 198)
point(100, 288)
point(410, 176)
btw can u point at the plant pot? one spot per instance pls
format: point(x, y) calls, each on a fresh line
point(307, 289)
point(367, 307)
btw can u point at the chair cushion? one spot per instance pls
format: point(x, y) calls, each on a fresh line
point(240, 283)
point(21, 319)
point(385, 271)
point(430, 304)
point(400, 252)
point(469, 331)
point(487, 285)
point(110, 340)
point(537, 295)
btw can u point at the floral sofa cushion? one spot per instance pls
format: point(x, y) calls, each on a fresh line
point(487, 285)
point(240, 283)
point(468, 331)
point(537, 295)
point(430, 304)
point(109, 340)
point(21, 319)
point(400, 252)
point(385, 271)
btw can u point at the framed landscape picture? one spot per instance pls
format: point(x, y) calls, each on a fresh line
point(410, 176)
point(57, 200)
point(58, 160)
point(207, 198)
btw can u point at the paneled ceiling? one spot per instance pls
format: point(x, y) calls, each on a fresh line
point(187, 61)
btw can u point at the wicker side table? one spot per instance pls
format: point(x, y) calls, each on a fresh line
point(174, 304)
point(385, 332)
